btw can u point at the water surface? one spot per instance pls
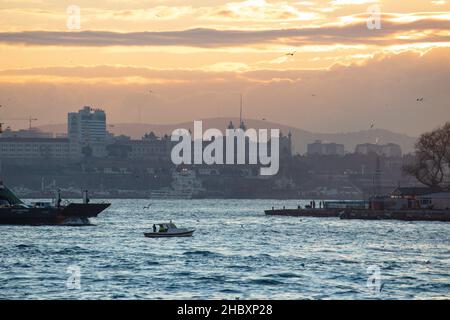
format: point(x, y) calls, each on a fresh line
point(236, 253)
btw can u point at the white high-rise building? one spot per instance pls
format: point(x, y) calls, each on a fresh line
point(87, 127)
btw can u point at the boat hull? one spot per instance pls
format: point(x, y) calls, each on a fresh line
point(168, 234)
point(74, 213)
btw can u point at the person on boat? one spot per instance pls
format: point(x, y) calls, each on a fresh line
point(154, 228)
point(58, 201)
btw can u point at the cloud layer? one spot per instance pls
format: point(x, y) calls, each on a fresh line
point(418, 30)
point(345, 98)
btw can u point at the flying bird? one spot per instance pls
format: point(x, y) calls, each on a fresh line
point(147, 206)
point(419, 99)
point(290, 53)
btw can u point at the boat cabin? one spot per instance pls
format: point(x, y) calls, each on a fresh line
point(164, 227)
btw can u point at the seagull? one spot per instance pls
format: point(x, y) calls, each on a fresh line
point(419, 99)
point(147, 206)
point(290, 53)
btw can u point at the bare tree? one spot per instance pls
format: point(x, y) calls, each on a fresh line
point(432, 159)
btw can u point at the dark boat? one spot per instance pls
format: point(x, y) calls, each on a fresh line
point(15, 211)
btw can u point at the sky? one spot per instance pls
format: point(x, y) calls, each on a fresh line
point(320, 65)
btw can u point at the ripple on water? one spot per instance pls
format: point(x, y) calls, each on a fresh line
point(310, 258)
point(202, 253)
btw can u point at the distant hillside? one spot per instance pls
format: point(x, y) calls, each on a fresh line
point(300, 137)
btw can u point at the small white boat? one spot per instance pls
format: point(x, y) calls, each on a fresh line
point(166, 230)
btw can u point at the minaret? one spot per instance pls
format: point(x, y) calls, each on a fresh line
point(240, 112)
point(241, 122)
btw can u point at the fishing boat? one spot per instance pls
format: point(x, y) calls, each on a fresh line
point(166, 230)
point(16, 212)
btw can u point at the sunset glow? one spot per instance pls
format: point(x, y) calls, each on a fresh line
point(234, 46)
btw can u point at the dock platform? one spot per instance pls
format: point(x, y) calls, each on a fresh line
point(318, 213)
point(365, 214)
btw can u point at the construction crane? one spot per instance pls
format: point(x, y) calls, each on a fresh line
point(30, 121)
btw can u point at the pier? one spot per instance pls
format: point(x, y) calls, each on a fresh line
point(318, 213)
point(365, 214)
point(404, 215)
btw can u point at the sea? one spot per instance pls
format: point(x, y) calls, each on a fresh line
point(236, 253)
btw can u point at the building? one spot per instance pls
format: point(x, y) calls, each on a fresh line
point(436, 200)
point(320, 148)
point(420, 198)
point(87, 129)
point(285, 142)
point(26, 133)
point(390, 150)
point(150, 147)
point(36, 148)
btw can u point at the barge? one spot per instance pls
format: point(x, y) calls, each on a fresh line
point(16, 212)
point(406, 204)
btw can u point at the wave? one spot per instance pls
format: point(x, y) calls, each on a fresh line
point(203, 253)
point(266, 282)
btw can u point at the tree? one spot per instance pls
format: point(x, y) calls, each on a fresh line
point(431, 165)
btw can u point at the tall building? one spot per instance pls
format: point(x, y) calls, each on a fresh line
point(87, 128)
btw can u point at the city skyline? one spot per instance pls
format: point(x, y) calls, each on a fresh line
point(313, 65)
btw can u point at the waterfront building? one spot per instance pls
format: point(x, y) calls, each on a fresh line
point(36, 148)
point(25, 133)
point(390, 150)
point(320, 148)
